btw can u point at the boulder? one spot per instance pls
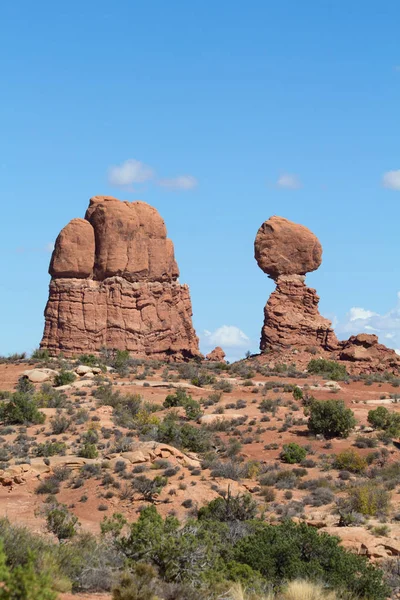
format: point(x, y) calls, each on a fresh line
point(40, 375)
point(282, 247)
point(74, 251)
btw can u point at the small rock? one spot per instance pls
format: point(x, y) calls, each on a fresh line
point(83, 370)
point(39, 375)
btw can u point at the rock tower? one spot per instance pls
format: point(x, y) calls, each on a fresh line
point(287, 251)
point(115, 284)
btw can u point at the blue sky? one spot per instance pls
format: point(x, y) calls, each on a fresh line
point(242, 111)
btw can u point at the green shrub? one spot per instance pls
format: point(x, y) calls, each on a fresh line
point(64, 378)
point(40, 354)
point(90, 360)
point(350, 460)
point(23, 582)
point(229, 508)
point(50, 448)
point(327, 368)
point(181, 398)
point(290, 551)
point(369, 499)
point(381, 418)
point(330, 418)
point(297, 393)
point(20, 409)
point(186, 436)
point(88, 451)
point(293, 453)
point(61, 522)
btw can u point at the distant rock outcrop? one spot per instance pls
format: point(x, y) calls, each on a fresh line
point(286, 251)
point(115, 284)
point(216, 355)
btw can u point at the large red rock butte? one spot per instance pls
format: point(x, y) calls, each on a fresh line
point(115, 284)
point(287, 251)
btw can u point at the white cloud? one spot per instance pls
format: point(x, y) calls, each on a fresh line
point(181, 182)
point(385, 326)
point(47, 248)
point(391, 180)
point(289, 181)
point(129, 172)
point(227, 336)
point(359, 313)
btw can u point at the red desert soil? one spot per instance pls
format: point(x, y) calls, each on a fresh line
point(261, 435)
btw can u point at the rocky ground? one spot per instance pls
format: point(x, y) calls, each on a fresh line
point(89, 453)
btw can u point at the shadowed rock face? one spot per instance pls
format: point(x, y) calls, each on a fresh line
point(114, 284)
point(286, 251)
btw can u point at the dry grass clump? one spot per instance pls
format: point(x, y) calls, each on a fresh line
point(298, 589)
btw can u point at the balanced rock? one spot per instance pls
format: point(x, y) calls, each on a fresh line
point(282, 247)
point(115, 284)
point(286, 251)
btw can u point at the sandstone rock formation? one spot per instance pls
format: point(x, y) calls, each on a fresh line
point(216, 355)
point(286, 251)
point(291, 317)
point(115, 284)
point(365, 349)
point(282, 247)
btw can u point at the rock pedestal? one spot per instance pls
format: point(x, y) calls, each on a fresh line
point(291, 318)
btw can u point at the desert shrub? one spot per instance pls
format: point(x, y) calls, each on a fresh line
point(181, 398)
point(40, 354)
point(88, 450)
point(223, 385)
point(126, 407)
point(20, 409)
point(186, 436)
point(64, 378)
point(293, 453)
point(369, 499)
point(351, 461)
point(327, 368)
point(149, 488)
point(268, 405)
point(363, 441)
point(297, 393)
point(330, 418)
point(50, 448)
point(320, 497)
point(289, 551)
point(90, 360)
point(59, 424)
point(229, 508)
point(48, 397)
point(24, 582)
point(381, 418)
point(49, 486)
point(60, 521)
point(142, 584)
point(230, 469)
point(202, 379)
